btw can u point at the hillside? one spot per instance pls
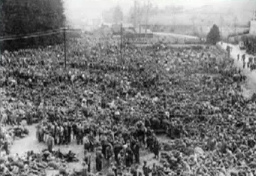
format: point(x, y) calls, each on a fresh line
point(225, 13)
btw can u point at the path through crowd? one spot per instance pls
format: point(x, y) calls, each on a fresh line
point(30, 143)
point(20, 146)
point(250, 86)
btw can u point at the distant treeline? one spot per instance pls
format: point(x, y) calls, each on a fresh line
point(195, 30)
point(30, 23)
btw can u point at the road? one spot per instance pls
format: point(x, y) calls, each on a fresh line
point(250, 85)
point(175, 35)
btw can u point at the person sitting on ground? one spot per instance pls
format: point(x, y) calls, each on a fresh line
point(145, 169)
point(71, 157)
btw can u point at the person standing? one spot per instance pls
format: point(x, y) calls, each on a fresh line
point(87, 160)
point(150, 141)
point(50, 143)
point(91, 141)
point(78, 128)
point(154, 170)
point(84, 170)
point(80, 135)
point(117, 148)
point(66, 135)
point(111, 172)
point(29, 118)
point(104, 145)
point(128, 156)
point(243, 57)
point(134, 171)
point(99, 161)
point(55, 132)
point(61, 134)
point(39, 133)
point(145, 169)
point(69, 132)
point(156, 148)
point(109, 154)
point(57, 135)
point(74, 129)
point(136, 151)
point(6, 147)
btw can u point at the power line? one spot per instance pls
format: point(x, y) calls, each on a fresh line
point(30, 36)
point(38, 14)
point(33, 35)
point(39, 34)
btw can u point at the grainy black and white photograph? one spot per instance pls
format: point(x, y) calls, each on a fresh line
point(127, 87)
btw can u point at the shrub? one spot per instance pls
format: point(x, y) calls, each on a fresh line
point(214, 35)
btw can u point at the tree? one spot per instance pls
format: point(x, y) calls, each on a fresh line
point(140, 13)
point(214, 35)
point(118, 15)
point(26, 17)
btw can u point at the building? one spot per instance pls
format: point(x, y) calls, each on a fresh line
point(141, 30)
point(254, 16)
point(253, 25)
point(253, 28)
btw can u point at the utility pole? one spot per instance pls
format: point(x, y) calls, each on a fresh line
point(121, 44)
point(221, 25)
point(65, 49)
point(254, 16)
point(135, 13)
point(235, 23)
point(147, 18)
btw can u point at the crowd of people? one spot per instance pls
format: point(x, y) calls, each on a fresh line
point(112, 143)
point(115, 103)
point(251, 64)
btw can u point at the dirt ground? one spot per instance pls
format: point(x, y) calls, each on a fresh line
point(28, 143)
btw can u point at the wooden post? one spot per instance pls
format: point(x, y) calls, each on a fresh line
point(65, 49)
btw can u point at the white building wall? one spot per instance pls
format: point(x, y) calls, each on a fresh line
point(253, 28)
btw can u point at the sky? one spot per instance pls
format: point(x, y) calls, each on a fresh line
point(94, 8)
point(84, 10)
